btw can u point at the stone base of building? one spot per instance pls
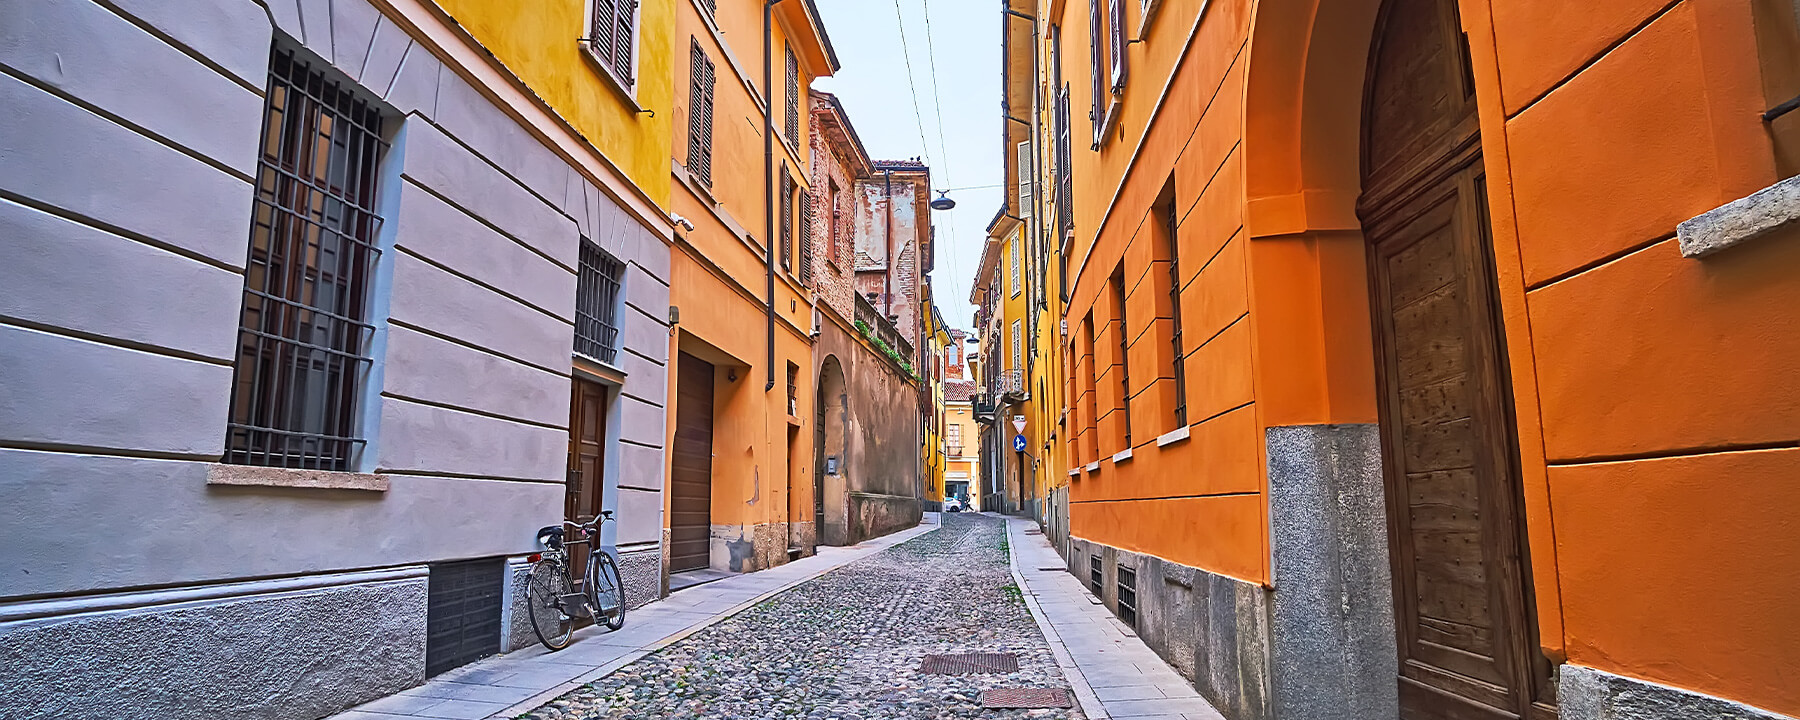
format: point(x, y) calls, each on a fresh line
point(640, 569)
point(1320, 643)
point(748, 548)
point(1589, 694)
point(292, 649)
point(873, 515)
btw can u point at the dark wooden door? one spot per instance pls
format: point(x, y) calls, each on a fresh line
point(587, 440)
point(1463, 609)
point(690, 482)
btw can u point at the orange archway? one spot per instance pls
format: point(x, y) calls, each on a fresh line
point(1308, 262)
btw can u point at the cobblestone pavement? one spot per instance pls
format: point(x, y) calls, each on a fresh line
point(847, 645)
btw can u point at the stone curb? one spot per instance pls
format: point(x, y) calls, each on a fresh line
point(1084, 693)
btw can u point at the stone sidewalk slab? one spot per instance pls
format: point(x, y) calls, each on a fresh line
point(1114, 674)
point(507, 685)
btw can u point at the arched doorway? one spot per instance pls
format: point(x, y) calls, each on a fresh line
point(1464, 619)
point(831, 422)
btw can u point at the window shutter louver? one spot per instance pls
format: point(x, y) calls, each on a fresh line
point(1096, 67)
point(600, 30)
point(623, 44)
point(793, 97)
point(806, 238)
point(700, 115)
point(1065, 157)
point(787, 220)
point(1117, 29)
point(1025, 180)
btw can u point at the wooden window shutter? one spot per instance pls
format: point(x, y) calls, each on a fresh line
point(806, 238)
point(603, 28)
point(793, 96)
point(700, 115)
point(787, 220)
point(1097, 106)
point(1025, 179)
point(624, 41)
point(1116, 27)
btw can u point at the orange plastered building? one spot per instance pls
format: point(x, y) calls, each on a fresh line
point(1436, 358)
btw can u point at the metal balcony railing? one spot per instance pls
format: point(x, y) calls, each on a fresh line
point(954, 451)
point(1010, 381)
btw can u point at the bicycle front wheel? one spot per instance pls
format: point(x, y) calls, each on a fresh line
point(545, 592)
point(609, 592)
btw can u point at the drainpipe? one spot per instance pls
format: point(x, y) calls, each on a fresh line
point(769, 238)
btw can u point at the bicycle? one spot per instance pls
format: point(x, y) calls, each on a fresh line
point(550, 594)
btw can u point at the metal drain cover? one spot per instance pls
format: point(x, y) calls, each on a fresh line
point(1023, 698)
point(970, 663)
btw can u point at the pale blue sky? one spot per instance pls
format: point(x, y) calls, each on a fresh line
point(873, 88)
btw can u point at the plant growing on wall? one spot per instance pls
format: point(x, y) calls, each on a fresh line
point(887, 350)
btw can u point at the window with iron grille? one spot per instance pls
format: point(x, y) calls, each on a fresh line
point(1128, 596)
point(793, 389)
point(787, 220)
point(712, 6)
point(1096, 576)
point(806, 238)
point(700, 114)
point(304, 334)
point(1178, 367)
point(1118, 286)
point(835, 252)
point(793, 97)
point(597, 304)
point(612, 37)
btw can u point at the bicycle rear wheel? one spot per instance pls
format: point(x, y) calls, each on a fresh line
point(609, 592)
point(545, 589)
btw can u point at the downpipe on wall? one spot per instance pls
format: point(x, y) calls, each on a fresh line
point(769, 240)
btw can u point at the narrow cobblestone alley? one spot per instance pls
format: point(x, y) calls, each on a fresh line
point(848, 644)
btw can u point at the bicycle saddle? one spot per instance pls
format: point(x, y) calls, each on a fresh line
point(551, 537)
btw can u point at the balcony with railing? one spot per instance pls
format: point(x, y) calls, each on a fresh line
point(1010, 382)
point(881, 329)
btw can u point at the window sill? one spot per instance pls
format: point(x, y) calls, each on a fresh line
point(1173, 436)
point(1075, 472)
point(1108, 121)
point(793, 420)
point(1762, 213)
point(625, 91)
point(1093, 467)
point(258, 476)
point(1122, 456)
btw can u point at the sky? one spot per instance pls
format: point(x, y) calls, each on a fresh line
point(963, 147)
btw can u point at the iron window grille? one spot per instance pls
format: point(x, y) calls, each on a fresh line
point(1178, 367)
point(792, 125)
point(700, 114)
point(304, 332)
point(1128, 596)
point(612, 37)
point(1096, 575)
point(597, 304)
point(1118, 284)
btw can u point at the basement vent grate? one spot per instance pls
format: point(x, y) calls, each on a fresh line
point(1128, 596)
point(1096, 577)
point(1025, 698)
point(971, 663)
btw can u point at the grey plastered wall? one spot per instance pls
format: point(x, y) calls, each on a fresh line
point(125, 202)
point(1331, 614)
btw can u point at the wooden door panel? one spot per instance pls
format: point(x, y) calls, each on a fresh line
point(690, 482)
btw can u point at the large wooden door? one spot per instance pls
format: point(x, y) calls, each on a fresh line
point(586, 486)
point(1462, 603)
point(690, 482)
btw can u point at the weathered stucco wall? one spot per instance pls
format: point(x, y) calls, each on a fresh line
point(880, 471)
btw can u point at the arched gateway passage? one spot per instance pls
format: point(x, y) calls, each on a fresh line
point(1378, 171)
